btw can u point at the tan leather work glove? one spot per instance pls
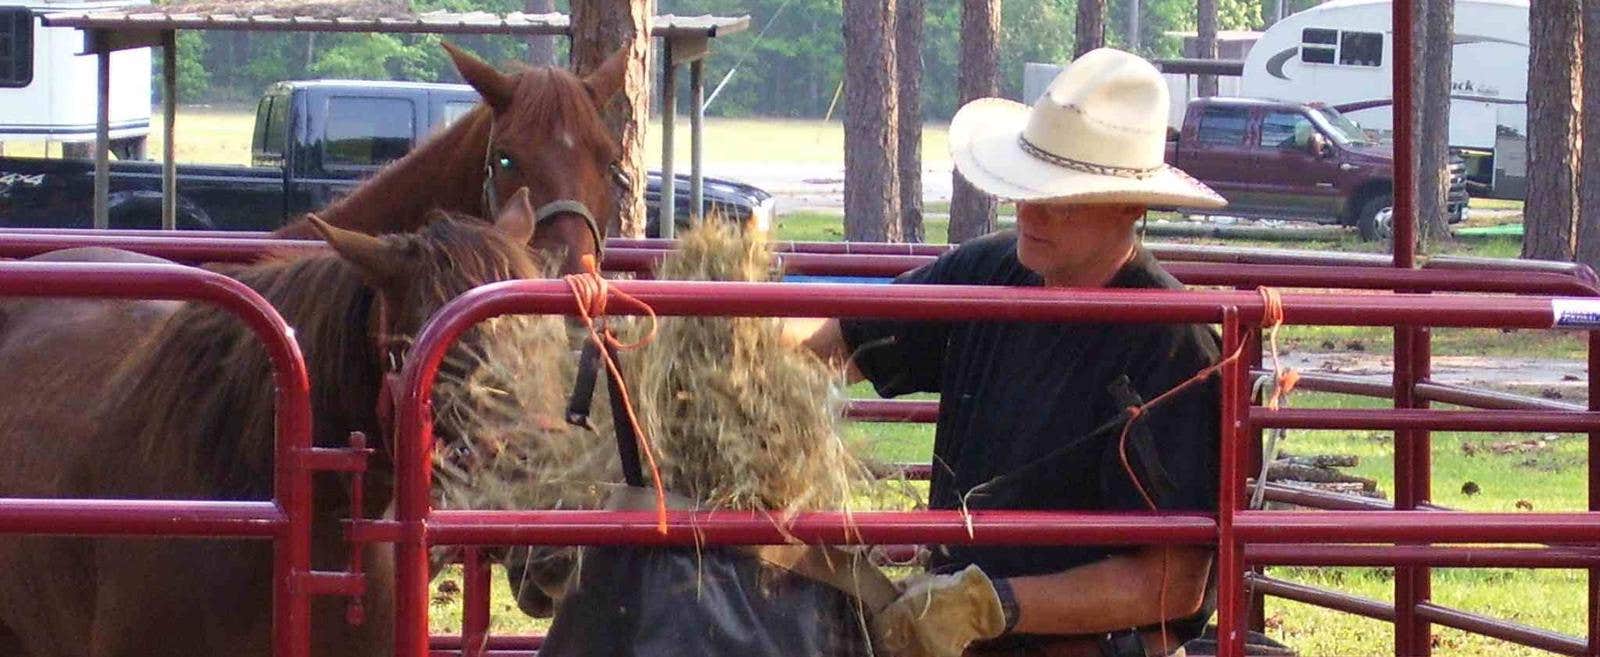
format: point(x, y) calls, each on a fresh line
point(940, 615)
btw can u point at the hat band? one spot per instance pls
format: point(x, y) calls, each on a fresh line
point(1087, 167)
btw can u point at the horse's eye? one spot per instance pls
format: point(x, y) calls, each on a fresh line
point(505, 162)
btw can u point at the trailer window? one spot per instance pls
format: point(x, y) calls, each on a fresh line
point(1361, 49)
point(455, 110)
point(16, 47)
point(1222, 126)
point(367, 132)
point(1317, 45)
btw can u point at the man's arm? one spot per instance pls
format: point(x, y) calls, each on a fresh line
point(1115, 593)
point(823, 337)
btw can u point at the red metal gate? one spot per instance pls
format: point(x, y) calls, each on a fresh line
point(1268, 534)
point(285, 520)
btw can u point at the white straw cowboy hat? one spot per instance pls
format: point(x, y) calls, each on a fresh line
point(1097, 135)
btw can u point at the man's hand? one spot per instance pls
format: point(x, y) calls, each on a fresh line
point(940, 615)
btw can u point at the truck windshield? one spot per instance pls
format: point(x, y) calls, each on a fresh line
point(1340, 127)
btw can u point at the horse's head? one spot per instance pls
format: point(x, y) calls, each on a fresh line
point(413, 274)
point(547, 135)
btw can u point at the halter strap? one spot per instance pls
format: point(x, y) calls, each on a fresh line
point(568, 206)
point(391, 354)
point(491, 201)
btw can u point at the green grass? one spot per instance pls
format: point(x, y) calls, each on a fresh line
point(1548, 478)
point(1494, 204)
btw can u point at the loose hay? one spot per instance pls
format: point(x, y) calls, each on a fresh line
point(738, 419)
point(501, 406)
point(742, 420)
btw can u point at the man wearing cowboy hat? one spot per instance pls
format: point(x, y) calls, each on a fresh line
point(1025, 407)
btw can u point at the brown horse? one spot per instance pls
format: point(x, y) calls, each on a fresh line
point(538, 128)
point(155, 400)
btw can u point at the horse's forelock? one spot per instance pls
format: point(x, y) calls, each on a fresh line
point(550, 101)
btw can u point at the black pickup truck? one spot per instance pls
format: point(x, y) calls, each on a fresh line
point(313, 141)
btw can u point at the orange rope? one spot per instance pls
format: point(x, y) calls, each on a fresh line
point(592, 293)
point(1271, 319)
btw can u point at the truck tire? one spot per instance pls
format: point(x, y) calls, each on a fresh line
point(1375, 219)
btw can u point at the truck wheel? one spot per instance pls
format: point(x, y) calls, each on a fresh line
point(1375, 220)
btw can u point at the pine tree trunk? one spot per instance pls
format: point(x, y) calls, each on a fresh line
point(599, 28)
point(1550, 214)
point(1433, 32)
point(871, 138)
point(1090, 31)
point(541, 47)
point(971, 211)
point(1206, 22)
point(1589, 180)
point(910, 16)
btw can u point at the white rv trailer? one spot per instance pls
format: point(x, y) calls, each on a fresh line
point(1342, 52)
point(48, 90)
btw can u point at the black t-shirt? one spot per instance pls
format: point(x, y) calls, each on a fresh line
point(1013, 392)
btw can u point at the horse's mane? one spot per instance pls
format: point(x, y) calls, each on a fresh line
point(549, 102)
point(198, 395)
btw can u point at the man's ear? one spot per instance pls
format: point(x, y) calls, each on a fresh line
point(378, 262)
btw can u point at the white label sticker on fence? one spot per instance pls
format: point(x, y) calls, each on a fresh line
point(1576, 313)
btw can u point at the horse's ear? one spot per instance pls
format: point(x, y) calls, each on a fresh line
point(377, 262)
point(606, 80)
point(516, 218)
point(496, 88)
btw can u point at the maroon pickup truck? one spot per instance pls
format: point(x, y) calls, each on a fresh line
point(1290, 160)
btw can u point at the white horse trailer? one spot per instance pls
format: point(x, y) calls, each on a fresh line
point(1340, 53)
point(48, 90)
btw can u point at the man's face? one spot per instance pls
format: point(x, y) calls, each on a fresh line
point(1055, 240)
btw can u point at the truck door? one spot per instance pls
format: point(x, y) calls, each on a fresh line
point(360, 132)
point(1289, 177)
point(1217, 153)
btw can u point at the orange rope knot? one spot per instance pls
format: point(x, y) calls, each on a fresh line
point(1283, 379)
point(592, 293)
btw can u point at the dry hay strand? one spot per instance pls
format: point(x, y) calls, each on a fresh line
point(741, 419)
point(321, 9)
point(500, 404)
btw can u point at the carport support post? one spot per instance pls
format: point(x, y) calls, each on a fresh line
point(169, 119)
point(666, 209)
point(697, 116)
point(102, 138)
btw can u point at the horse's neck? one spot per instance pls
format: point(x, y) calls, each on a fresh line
point(444, 172)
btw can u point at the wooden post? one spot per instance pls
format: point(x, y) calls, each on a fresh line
point(102, 135)
point(697, 121)
point(169, 120)
point(666, 213)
